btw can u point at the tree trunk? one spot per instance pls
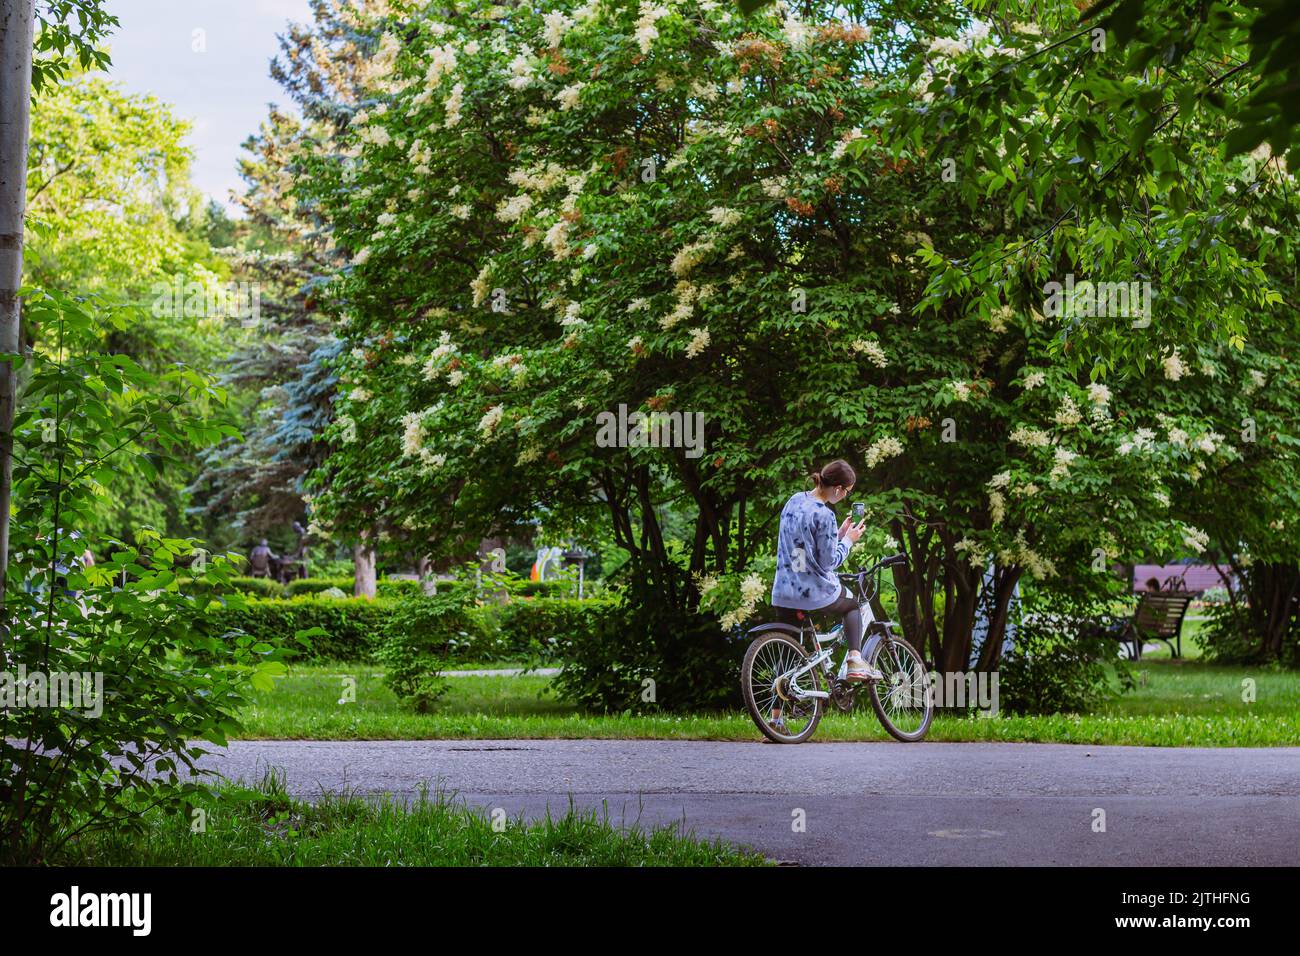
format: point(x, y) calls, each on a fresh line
point(1004, 589)
point(363, 558)
point(17, 19)
point(1271, 591)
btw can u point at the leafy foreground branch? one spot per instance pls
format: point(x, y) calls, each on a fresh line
point(264, 826)
point(111, 681)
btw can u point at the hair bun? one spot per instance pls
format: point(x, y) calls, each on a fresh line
point(835, 474)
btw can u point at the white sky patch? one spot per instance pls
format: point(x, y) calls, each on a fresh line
point(223, 91)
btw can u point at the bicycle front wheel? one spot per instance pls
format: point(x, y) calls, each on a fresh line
point(903, 701)
point(783, 717)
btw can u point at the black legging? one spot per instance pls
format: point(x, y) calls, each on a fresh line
point(846, 606)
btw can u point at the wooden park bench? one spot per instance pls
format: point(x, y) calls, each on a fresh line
point(1158, 616)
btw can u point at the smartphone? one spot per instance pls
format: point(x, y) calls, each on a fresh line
point(859, 509)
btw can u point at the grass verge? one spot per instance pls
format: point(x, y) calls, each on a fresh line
point(263, 826)
point(1177, 703)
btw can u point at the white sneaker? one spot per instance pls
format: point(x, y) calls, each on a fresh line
point(859, 669)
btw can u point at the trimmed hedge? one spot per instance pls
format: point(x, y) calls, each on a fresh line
point(616, 656)
point(544, 627)
point(269, 588)
point(253, 587)
point(437, 627)
point(551, 589)
point(384, 588)
point(353, 626)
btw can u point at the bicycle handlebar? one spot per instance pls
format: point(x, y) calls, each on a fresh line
point(890, 561)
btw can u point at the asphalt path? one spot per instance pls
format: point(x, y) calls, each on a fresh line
point(851, 803)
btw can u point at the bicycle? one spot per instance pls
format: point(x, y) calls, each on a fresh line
point(781, 655)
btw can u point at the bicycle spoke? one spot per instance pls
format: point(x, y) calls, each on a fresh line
point(903, 696)
point(770, 675)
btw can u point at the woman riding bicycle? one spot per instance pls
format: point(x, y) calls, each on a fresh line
point(810, 548)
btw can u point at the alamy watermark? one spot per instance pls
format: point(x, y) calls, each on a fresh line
point(637, 429)
point(74, 908)
point(959, 690)
point(1098, 300)
point(83, 691)
point(199, 300)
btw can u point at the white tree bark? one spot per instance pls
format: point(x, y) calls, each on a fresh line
point(17, 22)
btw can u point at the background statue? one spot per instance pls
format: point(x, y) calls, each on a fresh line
point(262, 560)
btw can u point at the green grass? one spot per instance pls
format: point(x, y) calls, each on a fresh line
point(1178, 703)
point(492, 665)
point(265, 827)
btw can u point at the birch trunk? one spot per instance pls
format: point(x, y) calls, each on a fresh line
point(17, 22)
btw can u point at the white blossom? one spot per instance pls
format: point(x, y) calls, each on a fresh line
point(1030, 437)
point(1195, 538)
point(646, 32)
point(1173, 365)
point(699, 342)
point(690, 256)
point(1063, 459)
point(724, 217)
point(872, 350)
point(491, 419)
point(842, 146)
point(1067, 413)
point(453, 105)
point(556, 25)
point(442, 60)
point(512, 209)
point(1000, 480)
point(882, 448)
point(568, 97)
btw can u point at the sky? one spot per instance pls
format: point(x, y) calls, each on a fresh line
point(218, 79)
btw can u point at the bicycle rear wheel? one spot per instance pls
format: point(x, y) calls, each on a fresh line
point(903, 701)
point(782, 717)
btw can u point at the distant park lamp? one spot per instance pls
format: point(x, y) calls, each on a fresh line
point(579, 557)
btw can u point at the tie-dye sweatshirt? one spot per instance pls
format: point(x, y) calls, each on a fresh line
point(808, 550)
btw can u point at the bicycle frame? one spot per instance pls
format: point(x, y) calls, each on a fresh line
point(825, 645)
point(873, 631)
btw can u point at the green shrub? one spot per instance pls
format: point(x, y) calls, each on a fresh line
point(1244, 632)
point(554, 589)
point(418, 638)
point(114, 714)
point(352, 625)
point(1062, 660)
point(645, 655)
point(421, 635)
point(432, 629)
point(302, 586)
point(538, 628)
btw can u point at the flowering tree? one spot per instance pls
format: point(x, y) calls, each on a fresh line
point(554, 213)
